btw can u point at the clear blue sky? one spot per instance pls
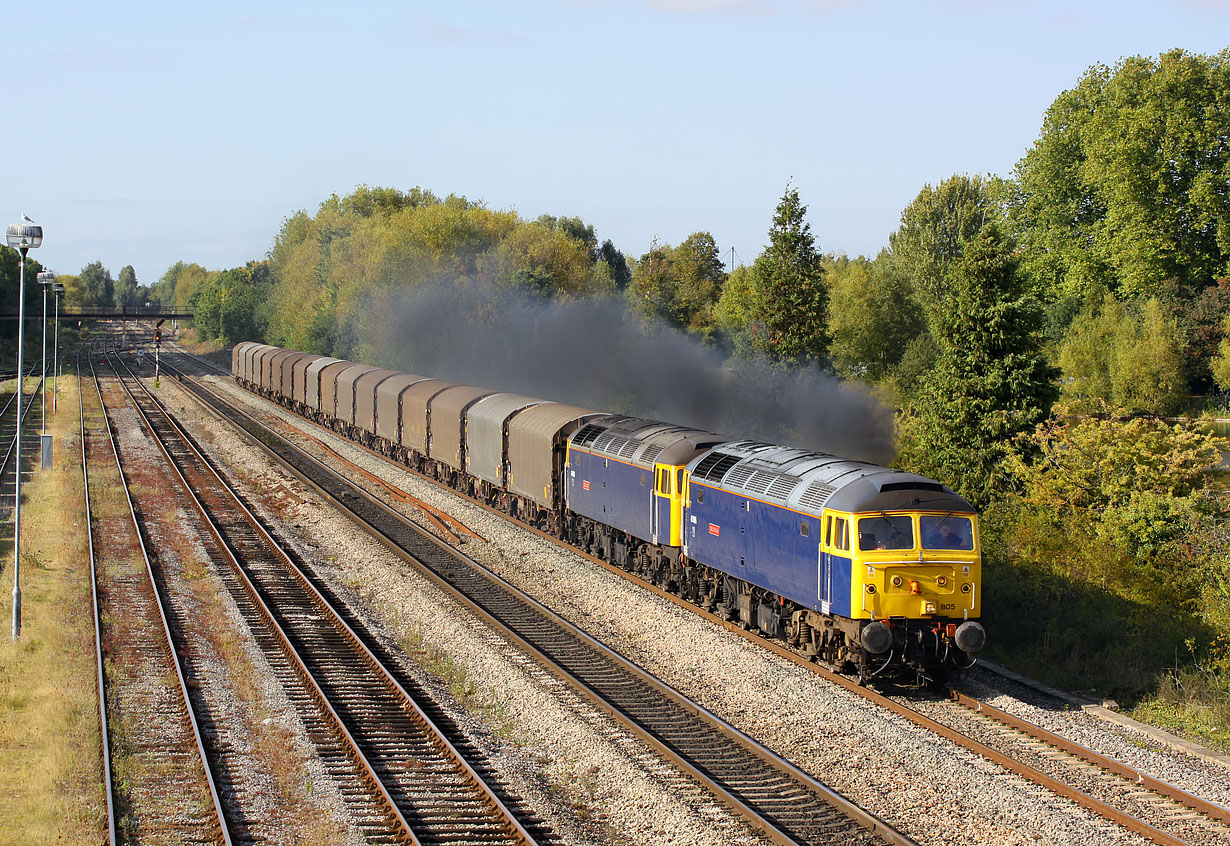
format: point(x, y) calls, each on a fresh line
point(145, 133)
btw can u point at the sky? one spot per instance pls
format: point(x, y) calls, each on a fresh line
point(149, 133)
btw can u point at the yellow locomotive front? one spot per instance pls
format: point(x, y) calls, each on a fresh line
point(915, 588)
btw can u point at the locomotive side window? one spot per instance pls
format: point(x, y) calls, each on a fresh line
point(664, 481)
point(842, 541)
point(642, 480)
point(804, 528)
point(828, 531)
point(679, 480)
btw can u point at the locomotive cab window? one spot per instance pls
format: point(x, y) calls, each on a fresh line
point(947, 531)
point(804, 528)
point(887, 531)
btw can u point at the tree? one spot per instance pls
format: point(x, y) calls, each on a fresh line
point(232, 305)
point(872, 318)
point(680, 284)
point(1125, 187)
point(934, 230)
point(1200, 321)
point(99, 286)
point(991, 381)
point(10, 276)
point(617, 262)
point(793, 298)
point(126, 287)
point(1114, 357)
point(1147, 368)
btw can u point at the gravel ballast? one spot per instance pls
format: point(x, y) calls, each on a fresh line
point(593, 782)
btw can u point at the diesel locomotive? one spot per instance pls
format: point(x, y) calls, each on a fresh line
point(874, 571)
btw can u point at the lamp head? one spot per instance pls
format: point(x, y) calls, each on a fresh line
point(24, 236)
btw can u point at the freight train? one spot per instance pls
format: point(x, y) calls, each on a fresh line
point(872, 570)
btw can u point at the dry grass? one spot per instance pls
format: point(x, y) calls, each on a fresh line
point(50, 774)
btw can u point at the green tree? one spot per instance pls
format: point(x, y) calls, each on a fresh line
point(1220, 363)
point(621, 274)
point(680, 284)
point(126, 287)
point(872, 318)
point(935, 227)
point(99, 286)
point(231, 305)
point(793, 299)
point(1114, 356)
point(174, 288)
point(1125, 187)
point(991, 381)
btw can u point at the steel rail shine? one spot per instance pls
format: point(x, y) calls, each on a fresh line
point(105, 733)
point(1018, 768)
point(417, 713)
point(223, 824)
point(840, 803)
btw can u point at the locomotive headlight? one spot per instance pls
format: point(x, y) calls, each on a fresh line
point(965, 588)
point(941, 580)
point(897, 581)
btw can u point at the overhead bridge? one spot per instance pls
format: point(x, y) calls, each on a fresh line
point(115, 313)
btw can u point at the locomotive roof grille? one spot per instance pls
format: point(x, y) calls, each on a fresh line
point(626, 450)
point(740, 476)
point(608, 442)
point(714, 466)
point(588, 434)
point(782, 486)
point(651, 454)
point(816, 495)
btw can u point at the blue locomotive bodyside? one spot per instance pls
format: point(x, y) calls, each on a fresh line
point(775, 548)
point(610, 491)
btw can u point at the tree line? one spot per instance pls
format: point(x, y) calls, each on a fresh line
point(1033, 331)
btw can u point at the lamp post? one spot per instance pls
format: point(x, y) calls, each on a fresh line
point(57, 288)
point(22, 237)
point(46, 279)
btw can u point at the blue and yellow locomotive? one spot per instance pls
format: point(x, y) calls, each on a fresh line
point(870, 569)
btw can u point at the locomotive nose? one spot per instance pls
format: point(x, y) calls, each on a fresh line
point(971, 637)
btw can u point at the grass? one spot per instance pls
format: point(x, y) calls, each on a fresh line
point(1193, 702)
point(439, 663)
point(50, 772)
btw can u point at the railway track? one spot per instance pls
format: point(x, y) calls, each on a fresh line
point(1157, 811)
point(405, 779)
point(775, 797)
point(168, 789)
point(8, 428)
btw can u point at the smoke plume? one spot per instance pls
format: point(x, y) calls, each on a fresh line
point(597, 354)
